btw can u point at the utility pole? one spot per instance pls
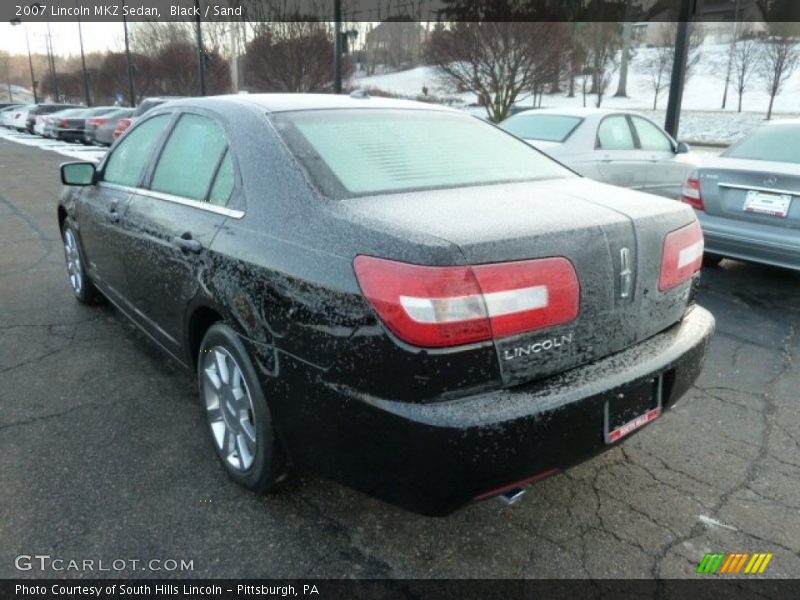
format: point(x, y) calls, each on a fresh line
point(16, 22)
point(201, 58)
point(688, 10)
point(131, 83)
point(337, 46)
point(83, 61)
point(52, 60)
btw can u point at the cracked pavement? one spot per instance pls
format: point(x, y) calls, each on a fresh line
point(105, 454)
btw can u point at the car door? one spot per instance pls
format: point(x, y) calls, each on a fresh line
point(172, 222)
point(619, 161)
point(103, 205)
point(666, 172)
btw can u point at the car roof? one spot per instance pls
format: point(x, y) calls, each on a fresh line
point(291, 102)
point(575, 111)
point(784, 121)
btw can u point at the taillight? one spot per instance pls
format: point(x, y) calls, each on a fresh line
point(683, 256)
point(63, 123)
point(97, 122)
point(690, 194)
point(450, 306)
point(122, 125)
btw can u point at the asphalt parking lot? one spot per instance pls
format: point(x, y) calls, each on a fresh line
point(104, 453)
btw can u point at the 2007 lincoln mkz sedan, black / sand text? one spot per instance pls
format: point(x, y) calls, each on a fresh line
point(394, 295)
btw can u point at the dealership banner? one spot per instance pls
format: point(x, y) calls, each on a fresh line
point(410, 10)
point(377, 589)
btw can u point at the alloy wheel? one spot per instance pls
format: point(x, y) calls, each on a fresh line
point(229, 408)
point(73, 257)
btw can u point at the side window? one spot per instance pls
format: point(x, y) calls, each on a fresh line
point(614, 133)
point(189, 158)
point(127, 163)
point(651, 137)
point(223, 184)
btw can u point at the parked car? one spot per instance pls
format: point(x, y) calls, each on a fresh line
point(41, 123)
point(7, 114)
point(391, 294)
point(617, 147)
point(44, 109)
point(748, 199)
point(4, 105)
point(49, 120)
point(72, 127)
point(20, 118)
point(482, 112)
point(100, 130)
point(124, 123)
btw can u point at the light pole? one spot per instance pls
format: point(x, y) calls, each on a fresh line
point(83, 61)
point(337, 46)
point(30, 59)
point(201, 58)
point(52, 58)
point(131, 84)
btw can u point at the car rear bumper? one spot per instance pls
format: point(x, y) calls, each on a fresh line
point(777, 246)
point(435, 458)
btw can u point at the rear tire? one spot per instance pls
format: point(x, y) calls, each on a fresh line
point(711, 260)
point(82, 287)
point(238, 417)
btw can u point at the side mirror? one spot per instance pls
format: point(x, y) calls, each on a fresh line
point(682, 148)
point(78, 173)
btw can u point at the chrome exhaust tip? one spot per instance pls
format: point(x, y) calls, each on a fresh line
point(511, 496)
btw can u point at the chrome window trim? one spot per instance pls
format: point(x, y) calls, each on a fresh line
point(755, 188)
point(222, 210)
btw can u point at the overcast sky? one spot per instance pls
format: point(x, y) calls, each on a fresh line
point(97, 37)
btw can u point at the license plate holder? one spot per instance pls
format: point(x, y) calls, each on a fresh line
point(633, 409)
point(776, 205)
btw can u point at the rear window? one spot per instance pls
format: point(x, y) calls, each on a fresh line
point(779, 143)
point(361, 152)
point(548, 128)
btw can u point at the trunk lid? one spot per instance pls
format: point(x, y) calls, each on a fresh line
point(754, 191)
point(601, 229)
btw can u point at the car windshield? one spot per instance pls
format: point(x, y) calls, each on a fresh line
point(360, 152)
point(779, 143)
point(549, 128)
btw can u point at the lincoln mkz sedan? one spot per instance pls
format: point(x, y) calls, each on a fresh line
point(393, 295)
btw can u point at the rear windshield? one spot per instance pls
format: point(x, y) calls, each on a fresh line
point(360, 152)
point(780, 143)
point(550, 128)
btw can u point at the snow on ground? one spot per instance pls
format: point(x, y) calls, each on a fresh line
point(18, 94)
point(75, 151)
point(702, 120)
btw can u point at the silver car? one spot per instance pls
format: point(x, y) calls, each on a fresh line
point(748, 199)
point(617, 147)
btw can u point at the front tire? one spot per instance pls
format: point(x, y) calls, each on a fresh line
point(82, 287)
point(239, 420)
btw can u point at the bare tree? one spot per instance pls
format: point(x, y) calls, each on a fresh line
point(745, 61)
point(658, 64)
point(604, 42)
point(779, 58)
point(295, 56)
point(496, 60)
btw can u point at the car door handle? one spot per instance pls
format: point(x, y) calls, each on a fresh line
point(187, 244)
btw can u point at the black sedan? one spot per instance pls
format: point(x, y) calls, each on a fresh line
point(394, 295)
